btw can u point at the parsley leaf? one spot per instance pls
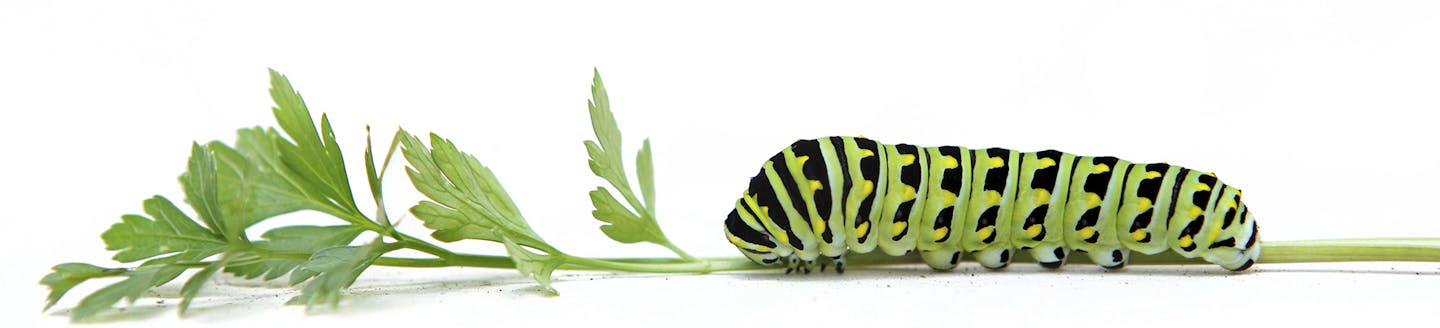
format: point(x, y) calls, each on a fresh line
point(466, 201)
point(68, 275)
point(255, 183)
point(334, 270)
point(192, 287)
point(314, 159)
point(199, 182)
point(138, 237)
point(130, 289)
point(531, 264)
point(645, 172)
point(626, 225)
point(291, 240)
point(623, 226)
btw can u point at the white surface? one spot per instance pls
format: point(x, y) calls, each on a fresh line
point(1322, 111)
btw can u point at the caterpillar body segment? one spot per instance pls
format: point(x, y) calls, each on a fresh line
point(1040, 204)
point(829, 196)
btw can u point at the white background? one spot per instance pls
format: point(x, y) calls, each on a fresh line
point(1322, 111)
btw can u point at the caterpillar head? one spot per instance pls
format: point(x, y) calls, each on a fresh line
point(751, 239)
point(1241, 246)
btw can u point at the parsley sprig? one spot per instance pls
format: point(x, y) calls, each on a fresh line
point(300, 167)
point(267, 173)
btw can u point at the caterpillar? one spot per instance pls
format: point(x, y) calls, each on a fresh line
point(828, 196)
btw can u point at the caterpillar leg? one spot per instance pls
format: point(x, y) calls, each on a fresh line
point(941, 259)
point(993, 257)
point(798, 265)
point(1111, 258)
point(1050, 256)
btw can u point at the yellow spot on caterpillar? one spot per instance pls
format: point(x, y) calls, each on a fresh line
point(898, 228)
point(1087, 232)
point(1230, 203)
point(1091, 200)
point(908, 194)
point(866, 153)
point(784, 238)
point(907, 159)
point(996, 162)
point(1044, 163)
point(947, 199)
point(1202, 187)
point(800, 160)
point(1184, 241)
point(862, 229)
point(1138, 234)
point(1195, 212)
point(762, 248)
point(818, 225)
point(765, 212)
point(992, 197)
point(941, 233)
point(1042, 196)
point(867, 188)
point(816, 185)
point(949, 162)
point(1142, 204)
point(984, 233)
point(1214, 234)
point(1033, 230)
point(1099, 168)
point(1152, 174)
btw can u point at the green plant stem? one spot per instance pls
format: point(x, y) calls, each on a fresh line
point(1351, 250)
point(1336, 250)
point(1305, 251)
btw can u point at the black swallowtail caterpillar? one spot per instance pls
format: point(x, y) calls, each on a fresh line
point(839, 194)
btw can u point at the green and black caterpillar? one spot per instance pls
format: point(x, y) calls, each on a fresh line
point(838, 194)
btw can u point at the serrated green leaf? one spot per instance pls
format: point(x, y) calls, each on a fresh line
point(68, 275)
point(624, 226)
point(531, 264)
point(293, 240)
point(605, 159)
point(197, 282)
point(334, 270)
point(200, 182)
point(645, 172)
point(129, 289)
point(314, 157)
point(451, 225)
point(635, 223)
point(138, 237)
point(166, 269)
point(252, 189)
point(467, 201)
